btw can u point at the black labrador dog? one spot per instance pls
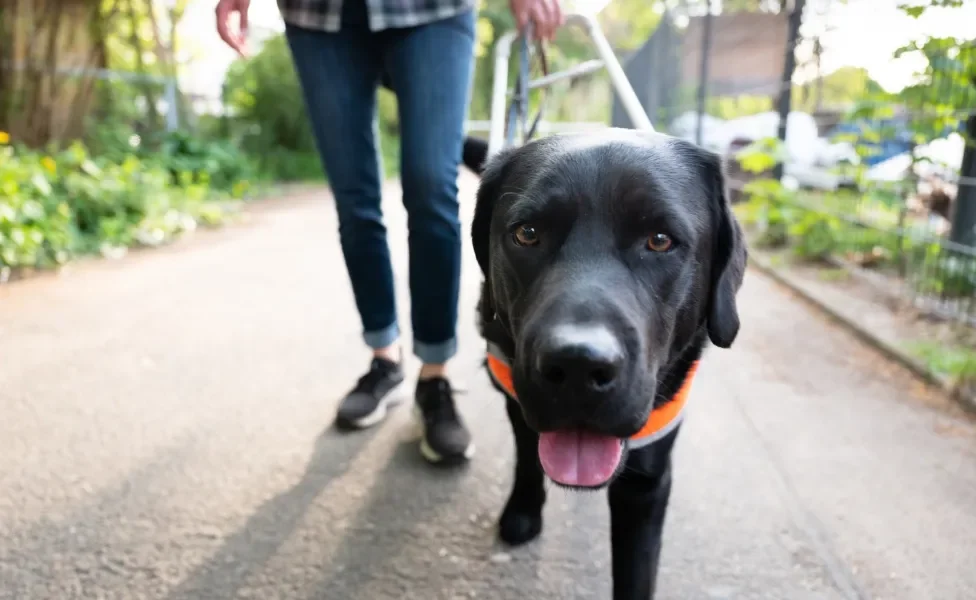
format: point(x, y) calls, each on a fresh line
point(610, 261)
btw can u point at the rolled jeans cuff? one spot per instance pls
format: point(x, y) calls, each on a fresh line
point(435, 354)
point(382, 338)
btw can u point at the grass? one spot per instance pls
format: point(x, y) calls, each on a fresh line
point(828, 274)
point(956, 362)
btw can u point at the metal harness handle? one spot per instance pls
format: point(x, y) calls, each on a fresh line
point(520, 98)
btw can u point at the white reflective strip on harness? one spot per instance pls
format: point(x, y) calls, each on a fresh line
point(634, 443)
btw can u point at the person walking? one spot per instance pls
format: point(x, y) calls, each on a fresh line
point(340, 50)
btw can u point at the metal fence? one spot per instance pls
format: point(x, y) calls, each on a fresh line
point(892, 193)
point(908, 223)
point(912, 233)
point(871, 234)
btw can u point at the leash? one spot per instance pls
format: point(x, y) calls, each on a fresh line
point(518, 109)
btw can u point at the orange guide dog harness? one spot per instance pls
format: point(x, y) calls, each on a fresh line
point(662, 420)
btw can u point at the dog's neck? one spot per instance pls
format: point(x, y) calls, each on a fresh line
point(675, 373)
point(496, 332)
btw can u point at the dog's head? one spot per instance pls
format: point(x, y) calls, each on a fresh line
point(608, 261)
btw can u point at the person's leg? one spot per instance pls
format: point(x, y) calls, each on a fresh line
point(430, 68)
point(339, 74)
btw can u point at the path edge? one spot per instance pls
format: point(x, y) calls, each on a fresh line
point(902, 357)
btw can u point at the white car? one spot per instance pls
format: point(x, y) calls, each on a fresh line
point(811, 161)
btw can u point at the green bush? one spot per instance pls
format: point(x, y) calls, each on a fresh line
point(268, 115)
point(265, 98)
point(868, 247)
point(814, 232)
point(185, 156)
point(957, 362)
point(35, 224)
point(815, 236)
point(288, 166)
point(944, 275)
point(54, 206)
point(766, 212)
point(214, 162)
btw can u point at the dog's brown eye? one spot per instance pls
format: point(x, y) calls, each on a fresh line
point(526, 235)
point(659, 243)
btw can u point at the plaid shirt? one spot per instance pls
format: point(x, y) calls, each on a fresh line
point(324, 15)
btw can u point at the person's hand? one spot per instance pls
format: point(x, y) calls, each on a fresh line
point(546, 16)
point(235, 39)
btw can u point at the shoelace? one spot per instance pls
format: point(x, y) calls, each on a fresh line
point(437, 404)
point(368, 382)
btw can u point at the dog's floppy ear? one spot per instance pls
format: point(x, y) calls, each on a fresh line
point(493, 176)
point(729, 256)
point(490, 189)
point(474, 152)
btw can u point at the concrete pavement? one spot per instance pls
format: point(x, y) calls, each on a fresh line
point(164, 433)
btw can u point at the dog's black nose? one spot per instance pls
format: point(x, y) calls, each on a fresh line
point(579, 359)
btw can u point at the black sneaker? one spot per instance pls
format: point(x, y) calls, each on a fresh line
point(444, 438)
point(368, 402)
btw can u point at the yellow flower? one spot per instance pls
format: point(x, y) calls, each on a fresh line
point(48, 163)
point(4, 137)
point(239, 189)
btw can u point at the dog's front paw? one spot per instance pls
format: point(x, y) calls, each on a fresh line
point(518, 526)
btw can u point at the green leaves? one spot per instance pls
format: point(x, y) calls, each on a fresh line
point(56, 206)
point(957, 362)
point(761, 155)
point(41, 184)
point(913, 11)
point(266, 101)
point(815, 236)
point(33, 224)
point(916, 10)
point(267, 111)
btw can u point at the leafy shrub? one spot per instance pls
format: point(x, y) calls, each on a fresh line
point(268, 112)
point(767, 212)
point(35, 225)
point(959, 363)
point(761, 157)
point(266, 102)
point(867, 247)
point(815, 236)
point(56, 206)
point(287, 165)
point(946, 275)
point(214, 162)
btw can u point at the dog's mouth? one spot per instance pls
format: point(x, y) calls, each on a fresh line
point(578, 458)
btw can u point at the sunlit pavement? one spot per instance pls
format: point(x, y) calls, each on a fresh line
point(165, 433)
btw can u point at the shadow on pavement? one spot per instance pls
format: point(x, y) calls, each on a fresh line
point(248, 549)
point(80, 551)
point(400, 538)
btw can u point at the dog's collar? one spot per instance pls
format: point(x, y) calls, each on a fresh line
point(663, 420)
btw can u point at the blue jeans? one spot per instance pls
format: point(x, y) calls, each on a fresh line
point(430, 67)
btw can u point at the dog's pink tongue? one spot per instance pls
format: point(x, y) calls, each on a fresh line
point(579, 458)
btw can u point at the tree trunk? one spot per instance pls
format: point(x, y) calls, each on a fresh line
point(789, 66)
point(46, 50)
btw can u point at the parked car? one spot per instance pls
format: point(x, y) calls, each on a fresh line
point(811, 161)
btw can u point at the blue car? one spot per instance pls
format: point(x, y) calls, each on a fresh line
point(895, 133)
point(896, 138)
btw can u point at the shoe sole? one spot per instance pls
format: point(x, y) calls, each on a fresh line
point(379, 414)
point(432, 456)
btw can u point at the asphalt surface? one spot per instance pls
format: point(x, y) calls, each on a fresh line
point(165, 433)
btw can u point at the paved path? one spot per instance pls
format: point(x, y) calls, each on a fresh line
point(163, 434)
